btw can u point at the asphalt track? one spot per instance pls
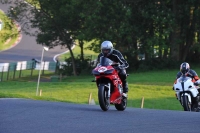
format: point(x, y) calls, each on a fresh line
point(33, 116)
point(27, 48)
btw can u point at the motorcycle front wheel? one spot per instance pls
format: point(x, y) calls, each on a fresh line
point(186, 103)
point(104, 100)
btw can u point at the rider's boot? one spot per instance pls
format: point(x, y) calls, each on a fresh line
point(125, 88)
point(198, 102)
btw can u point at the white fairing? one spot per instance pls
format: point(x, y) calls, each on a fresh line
point(189, 87)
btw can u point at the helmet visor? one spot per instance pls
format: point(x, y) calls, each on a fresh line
point(105, 51)
point(184, 71)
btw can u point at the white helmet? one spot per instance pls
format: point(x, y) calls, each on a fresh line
point(106, 48)
point(184, 68)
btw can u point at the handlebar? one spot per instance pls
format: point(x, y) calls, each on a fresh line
point(115, 64)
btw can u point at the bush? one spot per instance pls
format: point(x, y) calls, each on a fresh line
point(81, 65)
point(156, 63)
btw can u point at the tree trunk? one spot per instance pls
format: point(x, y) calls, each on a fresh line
point(190, 32)
point(71, 53)
point(81, 47)
point(73, 62)
point(166, 53)
point(175, 35)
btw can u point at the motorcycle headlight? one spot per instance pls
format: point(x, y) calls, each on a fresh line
point(95, 72)
point(109, 71)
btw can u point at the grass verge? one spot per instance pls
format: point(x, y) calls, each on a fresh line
point(155, 87)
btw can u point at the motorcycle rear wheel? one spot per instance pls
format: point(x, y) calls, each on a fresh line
point(122, 105)
point(186, 104)
point(104, 100)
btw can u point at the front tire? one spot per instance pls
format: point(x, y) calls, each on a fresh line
point(186, 104)
point(104, 100)
point(122, 105)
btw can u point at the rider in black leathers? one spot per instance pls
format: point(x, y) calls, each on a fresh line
point(116, 56)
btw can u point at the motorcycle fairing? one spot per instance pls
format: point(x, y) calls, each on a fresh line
point(188, 87)
point(105, 71)
point(99, 70)
point(115, 93)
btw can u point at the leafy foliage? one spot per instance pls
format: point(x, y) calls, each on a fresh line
point(81, 66)
point(9, 29)
point(169, 27)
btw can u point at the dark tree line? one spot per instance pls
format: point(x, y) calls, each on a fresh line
point(163, 31)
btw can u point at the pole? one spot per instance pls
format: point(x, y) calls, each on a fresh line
point(20, 71)
point(2, 74)
point(32, 68)
point(14, 71)
point(142, 103)
point(89, 99)
point(8, 72)
point(39, 72)
point(43, 68)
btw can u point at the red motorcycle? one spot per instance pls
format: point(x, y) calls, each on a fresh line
point(109, 85)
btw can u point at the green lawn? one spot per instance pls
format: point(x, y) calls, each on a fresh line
point(155, 87)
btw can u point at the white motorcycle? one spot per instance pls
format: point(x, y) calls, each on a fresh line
point(187, 93)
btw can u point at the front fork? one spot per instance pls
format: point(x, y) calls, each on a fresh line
point(108, 86)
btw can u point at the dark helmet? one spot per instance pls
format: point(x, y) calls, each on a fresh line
point(106, 48)
point(184, 68)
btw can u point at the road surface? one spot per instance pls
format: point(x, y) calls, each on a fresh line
point(34, 116)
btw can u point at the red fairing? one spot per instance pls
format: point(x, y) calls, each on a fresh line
point(108, 73)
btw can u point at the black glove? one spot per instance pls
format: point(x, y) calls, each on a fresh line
point(121, 67)
point(172, 88)
point(117, 67)
point(196, 83)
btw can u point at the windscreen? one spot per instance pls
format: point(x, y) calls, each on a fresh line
point(105, 61)
point(183, 78)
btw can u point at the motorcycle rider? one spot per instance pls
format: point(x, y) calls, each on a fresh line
point(108, 51)
point(185, 69)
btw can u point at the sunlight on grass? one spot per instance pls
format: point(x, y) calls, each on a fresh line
point(154, 86)
point(156, 97)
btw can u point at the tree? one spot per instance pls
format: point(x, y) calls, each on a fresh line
point(54, 22)
point(8, 30)
point(110, 20)
point(163, 30)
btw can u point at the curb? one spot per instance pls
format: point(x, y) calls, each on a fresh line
point(56, 56)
